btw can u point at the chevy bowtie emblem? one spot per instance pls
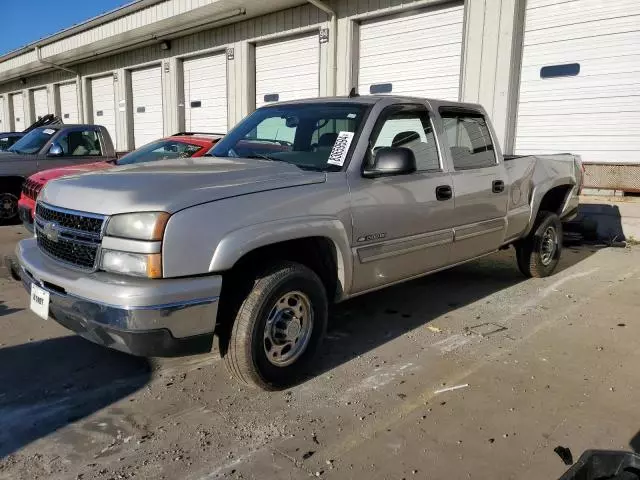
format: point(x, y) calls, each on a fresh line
point(50, 230)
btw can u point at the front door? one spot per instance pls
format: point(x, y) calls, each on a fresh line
point(480, 185)
point(401, 227)
point(79, 146)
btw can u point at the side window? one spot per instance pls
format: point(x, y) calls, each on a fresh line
point(469, 140)
point(408, 127)
point(81, 143)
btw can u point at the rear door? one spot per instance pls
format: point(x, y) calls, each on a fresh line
point(479, 184)
point(401, 228)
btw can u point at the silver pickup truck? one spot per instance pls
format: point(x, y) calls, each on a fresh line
point(302, 204)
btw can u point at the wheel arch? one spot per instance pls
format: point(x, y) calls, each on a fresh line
point(325, 239)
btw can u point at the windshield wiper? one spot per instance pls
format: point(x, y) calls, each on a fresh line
point(265, 157)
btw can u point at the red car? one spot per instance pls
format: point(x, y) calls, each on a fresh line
point(179, 145)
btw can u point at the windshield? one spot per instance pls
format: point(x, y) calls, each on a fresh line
point(160, 150)
point(33, 141)
point(303, 135)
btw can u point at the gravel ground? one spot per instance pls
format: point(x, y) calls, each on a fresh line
point(539, 364)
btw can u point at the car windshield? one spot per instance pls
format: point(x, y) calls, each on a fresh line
point(303, 135)
point(160, 150)
point(33, 141)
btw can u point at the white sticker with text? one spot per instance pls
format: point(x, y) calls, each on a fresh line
point(48, 131)
point(340, 149)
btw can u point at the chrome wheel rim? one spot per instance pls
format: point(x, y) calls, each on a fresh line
point(288, 329)
point(8, 206)
point(548, 245)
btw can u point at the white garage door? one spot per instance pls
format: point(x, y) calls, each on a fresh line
point(288, 69)
point(417, 54)
point(580, 80)
point(17, 103)
point(40, 103)
point(69, 103)
point(4, 126)
point(205, 92)
point(103, 104)
point(146, 87)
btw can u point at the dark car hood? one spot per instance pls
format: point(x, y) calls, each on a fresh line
point(172, 185)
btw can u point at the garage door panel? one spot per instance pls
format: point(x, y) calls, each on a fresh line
point(4, 125)
point(594, 113)
point(566, 13)
point(146, 87)
point(18, 112)
point(587, 30)
point(40, 103)
point(288, 68)
point(69, 103)
point(417, 53)
point(206, 93)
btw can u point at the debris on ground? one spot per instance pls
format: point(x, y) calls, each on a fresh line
point(434, 329)
point(565, 454)
point(450, 389)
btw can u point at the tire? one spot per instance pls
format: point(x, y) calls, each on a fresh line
point(538, 255)
point(8, 207)
point(278, 328)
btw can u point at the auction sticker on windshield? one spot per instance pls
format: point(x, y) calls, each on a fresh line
point(40, 301)
point(49, 131)
point(340, 149)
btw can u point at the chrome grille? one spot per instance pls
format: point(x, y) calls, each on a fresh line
point(31, 189)
point(78, 221)
point(71, 237)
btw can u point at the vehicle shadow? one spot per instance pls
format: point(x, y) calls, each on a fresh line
point(377, 318)
point(47, 385)
point(4, 310)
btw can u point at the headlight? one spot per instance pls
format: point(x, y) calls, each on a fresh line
point(136, 264)
point(138, 226)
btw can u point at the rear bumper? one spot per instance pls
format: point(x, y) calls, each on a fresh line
point(130, 315)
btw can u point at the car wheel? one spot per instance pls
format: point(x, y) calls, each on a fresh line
point(278, 327)
point(8, 207)
point(539, 254)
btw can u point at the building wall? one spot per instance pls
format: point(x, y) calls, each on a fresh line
point(491, 48)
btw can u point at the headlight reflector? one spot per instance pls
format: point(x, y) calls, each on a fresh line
point(135, 264)
point(138, 226)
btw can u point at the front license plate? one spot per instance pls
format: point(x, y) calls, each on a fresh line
point(40, 301)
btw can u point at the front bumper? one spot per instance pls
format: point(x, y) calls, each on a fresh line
point(168, 317)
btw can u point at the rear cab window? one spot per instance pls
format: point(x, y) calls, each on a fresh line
point(469, 140)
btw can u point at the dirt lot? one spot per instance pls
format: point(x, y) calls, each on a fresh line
point(547, 362)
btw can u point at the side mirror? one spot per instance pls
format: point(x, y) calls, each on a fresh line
point(391, 161)
point(55, 150)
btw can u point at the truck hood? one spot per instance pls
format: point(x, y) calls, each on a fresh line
point(172, 185)
point(46, 175)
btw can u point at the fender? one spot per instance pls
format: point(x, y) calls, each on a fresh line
point(238, 243)
point(540, 191)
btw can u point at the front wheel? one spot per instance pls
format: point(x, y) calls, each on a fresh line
point(538, 254)
point(8, 207)
point(278, 327)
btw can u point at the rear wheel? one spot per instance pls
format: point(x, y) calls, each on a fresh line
point(278, 327)
point(538, 255)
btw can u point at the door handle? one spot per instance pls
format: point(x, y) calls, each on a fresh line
point(497, 186)
point(444, 192)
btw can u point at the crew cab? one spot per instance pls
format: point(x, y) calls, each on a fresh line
point(303, 203)
point(47, 147)
point(180, 145)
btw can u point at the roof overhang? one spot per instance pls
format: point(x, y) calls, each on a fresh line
point(79, 44)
